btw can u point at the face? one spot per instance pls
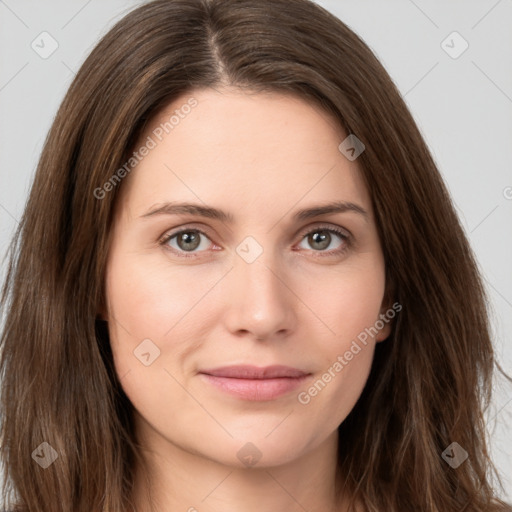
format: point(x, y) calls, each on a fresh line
point(252, 274)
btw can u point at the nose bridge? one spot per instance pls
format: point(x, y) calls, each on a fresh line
point(261, 302)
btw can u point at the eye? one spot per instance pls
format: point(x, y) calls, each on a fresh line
point(321, 238)
point(189, 240)
point(185, 241)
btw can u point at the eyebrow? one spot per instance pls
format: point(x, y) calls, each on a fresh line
point(214, 213)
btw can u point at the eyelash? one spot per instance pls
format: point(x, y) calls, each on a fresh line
point(333, 252)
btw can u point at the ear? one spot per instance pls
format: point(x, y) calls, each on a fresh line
point(389, 309)
point(384, 318)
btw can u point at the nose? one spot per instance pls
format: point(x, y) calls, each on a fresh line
point(261, 303)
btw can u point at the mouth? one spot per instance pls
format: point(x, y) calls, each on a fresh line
point(254, 383)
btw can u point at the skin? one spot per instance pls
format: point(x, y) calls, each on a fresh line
point(260, 157)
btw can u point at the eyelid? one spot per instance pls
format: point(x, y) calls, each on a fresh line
point(302, 232)
point(326, 226)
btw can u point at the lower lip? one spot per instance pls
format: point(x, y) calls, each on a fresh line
point(256, 389)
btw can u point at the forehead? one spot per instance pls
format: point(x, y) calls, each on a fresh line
point(228, 146)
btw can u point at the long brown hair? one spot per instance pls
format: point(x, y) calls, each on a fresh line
point(431, 380)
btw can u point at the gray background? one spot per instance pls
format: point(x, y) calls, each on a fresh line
point(462, 105)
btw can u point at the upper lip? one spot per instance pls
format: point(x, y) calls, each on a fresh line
point(255, 372)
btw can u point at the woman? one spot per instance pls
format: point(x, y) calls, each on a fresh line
point(240, 283)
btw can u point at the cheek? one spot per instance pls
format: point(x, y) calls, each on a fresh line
point(346, 356)
point(347, 301)
point(151, 300)
point(334, 392)
point(150, 308)
point(150, 297)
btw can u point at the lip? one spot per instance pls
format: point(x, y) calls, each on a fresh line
point(255, 383)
